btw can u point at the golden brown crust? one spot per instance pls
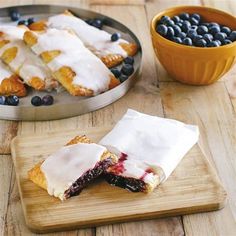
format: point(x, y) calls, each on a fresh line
point(9, 55)
point(37, 83)
point(37, 176)
point(12, 86)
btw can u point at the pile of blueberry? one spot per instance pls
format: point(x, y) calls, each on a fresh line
point(191, 30)
point(47, 100)
point(15, 16)
point(126, 70)
point(9, 100)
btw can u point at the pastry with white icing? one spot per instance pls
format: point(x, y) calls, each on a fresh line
point(69, 170)
point(96, 40)
point(22, 61)
point(10, 84)
point(149, 148)
point(72, 64)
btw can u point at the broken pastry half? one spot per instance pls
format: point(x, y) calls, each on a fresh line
point(10, 84)
point(96, 40)
point(22, 61)
point(70, 169)
point(72, 64)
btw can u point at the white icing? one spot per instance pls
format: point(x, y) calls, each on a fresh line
point(155, 142)
point(4, 72)
point(98, 41)
point(26, 64)
point(90, 72)
point(69, 163)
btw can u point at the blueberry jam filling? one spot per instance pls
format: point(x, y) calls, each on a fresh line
point(88, 177)
point(192, 30)
point(131, 184)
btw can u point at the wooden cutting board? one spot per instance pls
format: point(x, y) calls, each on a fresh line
point(193, 187)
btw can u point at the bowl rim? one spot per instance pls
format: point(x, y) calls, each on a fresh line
point(186, 47)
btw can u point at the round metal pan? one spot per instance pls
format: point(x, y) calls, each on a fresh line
point(66, 105)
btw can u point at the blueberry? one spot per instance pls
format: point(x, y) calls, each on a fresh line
point(12, 100)
point(47, 100)
point(201, 43)
point(115, 37)
point(36, 101)
point(226, 30)
point(2, 100)
point(208, 37)
point(184, 16)
point(22, 22)
point(15, 15)
point(220, 36)
point(170, 32)
point(186, 25)
point(232, 36)
point(194, 21)
point(176, 19)
point(191, 33)
point(177, 40)
point(196, 16)
point(89, 21)
point(181, 35)
point(218, 42)
point(116, 72)
point(188, 41)
point(213, 44)
point(214, 29)
point(214, 24)
point(123, 78)
point(30, 21)
point(162, 29)
point(164, 19)
point(202, 29)
point(129, 60)
point(177, 29)
point(179, 24)
point(170, 23)
point(97, 23)
point(193, 27)
point(197, 37)
point(227, 41)
point(127, 69)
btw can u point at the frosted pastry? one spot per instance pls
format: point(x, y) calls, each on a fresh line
point(149, 148)
point(98, 41)
point(22, 61)
point(70, 169)
point(10, 84)
point(72, 64)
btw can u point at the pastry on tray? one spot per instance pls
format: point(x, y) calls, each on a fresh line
point(72, 64)
point(10, 84)
point(149, 149)
point(22, 61)
point(70, 169)
point(98, 41)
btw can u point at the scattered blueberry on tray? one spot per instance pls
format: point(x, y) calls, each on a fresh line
point(115, 37)
point(98, 23)
point(15, 15)
point(2, 100)
point(191, 30)
point(126, 70)
point(12, 100)
point(47, 100)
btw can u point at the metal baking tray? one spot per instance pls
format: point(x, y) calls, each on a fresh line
point(66, 105)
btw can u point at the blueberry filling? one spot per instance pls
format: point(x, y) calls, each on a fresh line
point(88, 177)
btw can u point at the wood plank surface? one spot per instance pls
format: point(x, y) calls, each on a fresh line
point(193, 187)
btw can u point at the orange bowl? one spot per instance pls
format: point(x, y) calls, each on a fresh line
point(194, 65)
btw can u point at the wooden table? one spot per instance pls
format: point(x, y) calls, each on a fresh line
point(212, 108)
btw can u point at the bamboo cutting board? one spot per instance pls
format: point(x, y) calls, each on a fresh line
point(193, 187)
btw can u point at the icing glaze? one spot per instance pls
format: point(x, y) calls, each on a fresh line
point(26, 64)
point(98, 41)
point(150, 142)
point(4, 72)
point(89, 70)
point(69, 163)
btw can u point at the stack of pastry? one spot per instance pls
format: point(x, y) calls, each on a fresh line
point(62, 50)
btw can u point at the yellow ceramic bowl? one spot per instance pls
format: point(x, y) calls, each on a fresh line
point(194, 65)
